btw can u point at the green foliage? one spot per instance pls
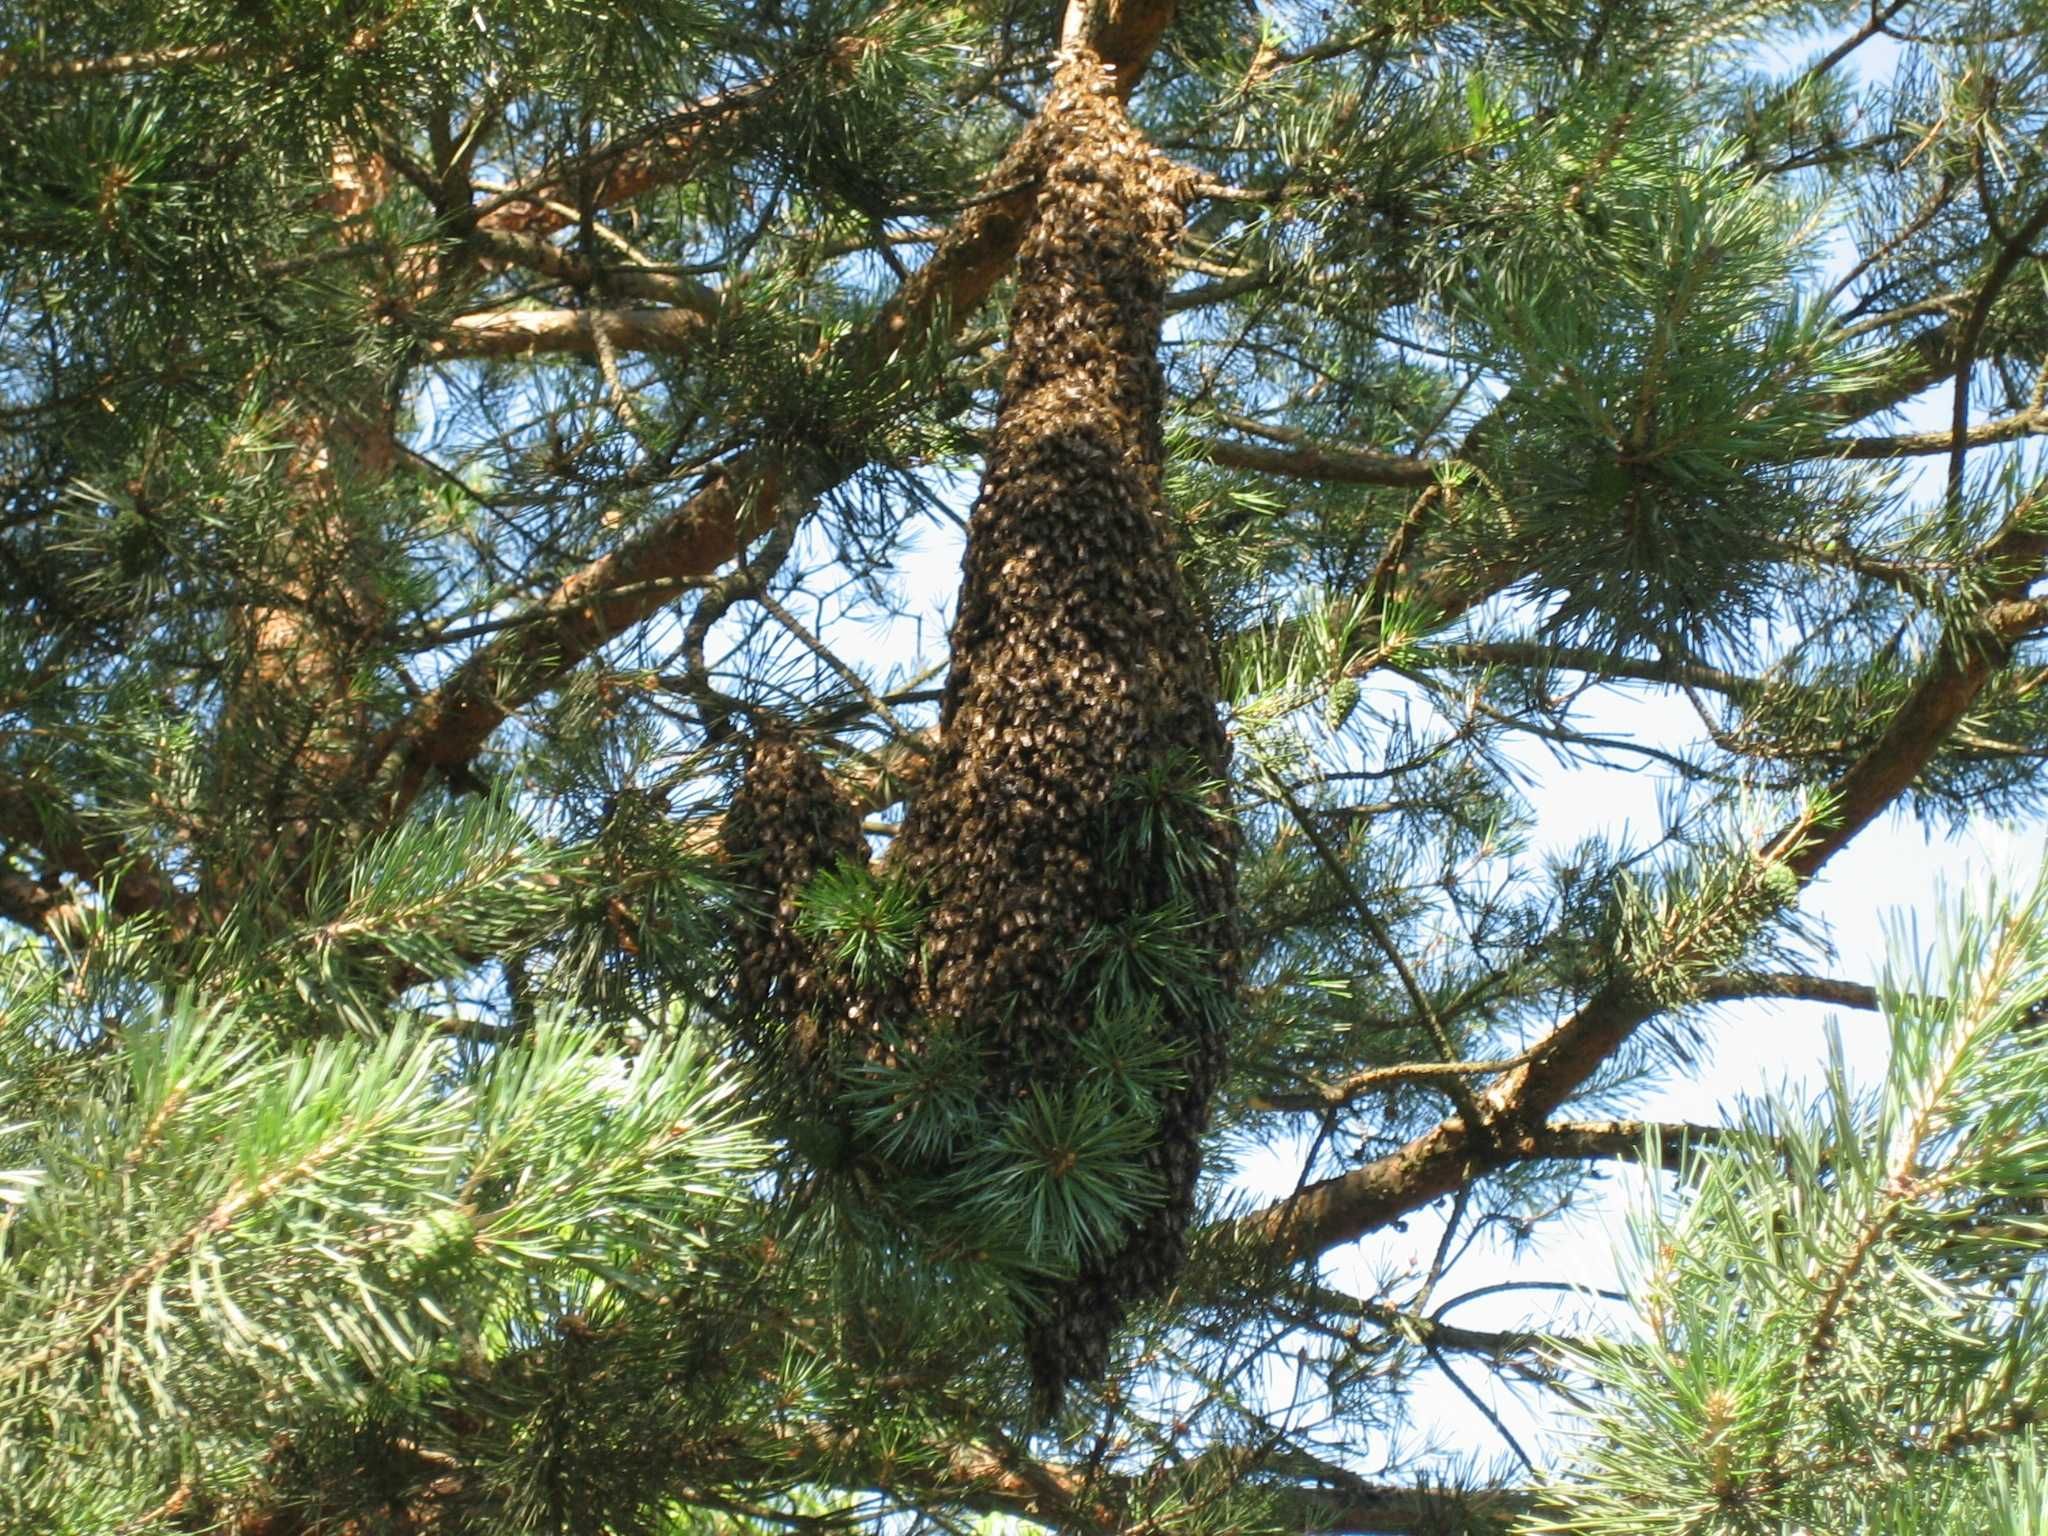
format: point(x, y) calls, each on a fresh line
point(1640, 303)
point(1063, 1177)
point(1840, 1313)
point(1147, 956)
point(211, 1237)
point(868, 923)
point(1163, 816)
point(913, 1105)
point(1701, 916)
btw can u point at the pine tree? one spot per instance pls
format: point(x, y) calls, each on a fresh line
point(517, 1016)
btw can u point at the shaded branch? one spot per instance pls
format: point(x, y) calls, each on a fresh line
point(1848, 45)
point(142, 62)
point(1349, 1090)
point(1430, 1331)
point(132, 885)
point(1601, 664)
point(1904, 445)
point(1307, 1492)
point(1296, 455)
point(1790, 985)
point(572, 270)
point(2012, 252)
point(656, 156)
point(1915, 581)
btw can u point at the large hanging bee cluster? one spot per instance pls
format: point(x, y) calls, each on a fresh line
point(1070, 848)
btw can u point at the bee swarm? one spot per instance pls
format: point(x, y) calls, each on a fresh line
point(1079, 664)
point(790, 826)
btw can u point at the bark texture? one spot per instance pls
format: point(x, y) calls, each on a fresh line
point(295, 721)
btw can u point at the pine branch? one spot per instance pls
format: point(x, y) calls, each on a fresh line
point(587, 609)
point(646, 160)
point(1298, 1490)
point(569, 332)
point(1349, 1090)
point(1594, 664)
point(1337, 1210)
point(1430, 1329)
point(1299, 455)
point(1330, 463)
point(1839, 1311)
point(1972, 649)
point(1905, 445)
point(1631, 1141)
point(2014, 251)
point(1790, 985)
point(146, 61)
point(574, 271)
point(32, 819)
point(224, 1224)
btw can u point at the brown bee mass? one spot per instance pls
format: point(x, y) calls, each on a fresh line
point(790, 826)
point(1079, 666)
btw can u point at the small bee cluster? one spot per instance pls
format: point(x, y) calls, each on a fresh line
point(797, 1010)
point(1075, 805)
